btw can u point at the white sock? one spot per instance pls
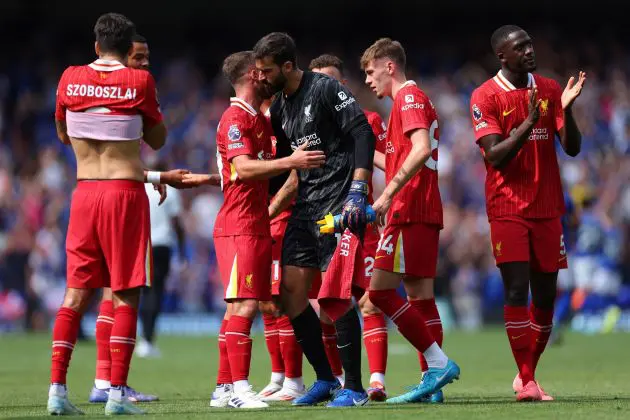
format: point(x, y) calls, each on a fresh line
point(57, 390)
point(116, 393)
point(377, 377)
point(341, 378)
point(102, 384)
point(241, 386)
point(435, 357)
point(277, 377)
point(223, 389)
point(296, 384)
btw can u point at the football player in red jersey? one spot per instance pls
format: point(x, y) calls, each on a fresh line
point(516, 116)
point(138, 58)
point(103, 110)
point(411, 201)
point(241, 233)
point(374, 325)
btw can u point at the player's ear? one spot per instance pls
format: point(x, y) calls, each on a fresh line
point(390, 67)
point(344, 81)
point(287, 67)
point(501, 56)
point(97, 49)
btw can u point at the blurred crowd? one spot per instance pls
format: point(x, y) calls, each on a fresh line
point(37, 172)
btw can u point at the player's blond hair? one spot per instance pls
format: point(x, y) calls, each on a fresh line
point(385, 48)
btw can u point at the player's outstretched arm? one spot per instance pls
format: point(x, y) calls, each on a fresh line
point(249, 169)
point(417, 157)
point(570, 136)
point(499, 153)
point(284, 196)
point(197, 180)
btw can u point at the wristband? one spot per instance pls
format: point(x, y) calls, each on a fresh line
point(153, 177)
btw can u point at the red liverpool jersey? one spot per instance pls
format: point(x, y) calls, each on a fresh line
point(418, 201)
point(105, 100)
point(242, 131)
point(380, 132)
point(529, 185)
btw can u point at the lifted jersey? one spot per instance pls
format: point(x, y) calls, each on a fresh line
point(321, 112)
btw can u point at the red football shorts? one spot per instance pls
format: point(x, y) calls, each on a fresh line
point(410, 249)
point(109, 236)
point(277, 234)
point(537, 241)
point(244, 262)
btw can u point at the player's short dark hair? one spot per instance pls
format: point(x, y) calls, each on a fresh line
point(139, 39)
point(277, 45)
point(327, 60)
point(501, 35)
point(114, 33)
point(385, 47)
point(236, 65)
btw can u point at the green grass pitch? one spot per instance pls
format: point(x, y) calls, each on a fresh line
point(588, 375)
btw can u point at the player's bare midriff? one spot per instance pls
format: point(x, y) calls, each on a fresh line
point(99, 160)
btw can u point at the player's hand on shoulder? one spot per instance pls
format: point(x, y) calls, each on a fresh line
point(307, 159)
point(174, 178)
point(533, 105)
point(573, 90)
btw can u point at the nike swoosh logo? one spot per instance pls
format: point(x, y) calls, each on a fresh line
point(360, 402)
point(439, 378)
point(243, 342)
point(259, 135)
point(343, 347)
point(378, 257)
point(517, 337)
point(506, 113)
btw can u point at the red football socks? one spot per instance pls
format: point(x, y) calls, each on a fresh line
point(329, 336)
point(409, 321)
point(104, 324)
point(428, 310)
point(291, 350)
point(541, 325)
point(122, 342)
point(272, 339)
point(375, 340)
point(65, 334)
point(517, 327)
point(224, 374)
point(239, 346)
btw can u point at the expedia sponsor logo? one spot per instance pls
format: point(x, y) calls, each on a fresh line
point(344, 104)
point(412, 106)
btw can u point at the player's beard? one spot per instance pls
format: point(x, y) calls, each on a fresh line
point(278, 83)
